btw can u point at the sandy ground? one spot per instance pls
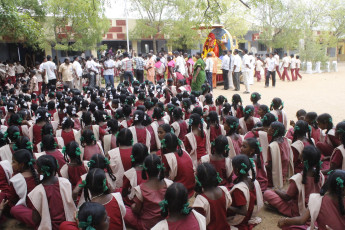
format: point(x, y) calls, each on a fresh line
point(315, 92)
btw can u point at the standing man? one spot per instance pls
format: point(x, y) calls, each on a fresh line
point(276, 56)
point(286, 64)
point(127, 67)
point(225, 69)
point(50, 71)
point(78, 72)
point(237, 70)
point(66, 73)
point(180, 63)
point(92, 70)
point(140, 68)
point(298, 66)
point(271, 71)
point(293, 67)
point(252, 66)
point(246, 71)
point(20, 69)
point(108, 73)
point(209, 69)
point(134, 59)
point(231, 69)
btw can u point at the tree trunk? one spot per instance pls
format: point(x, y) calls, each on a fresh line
point(154, 45)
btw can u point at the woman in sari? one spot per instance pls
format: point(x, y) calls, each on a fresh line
point(199, 76)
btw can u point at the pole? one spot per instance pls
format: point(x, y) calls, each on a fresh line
point(127, 26)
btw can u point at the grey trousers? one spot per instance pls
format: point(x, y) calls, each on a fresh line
point(237, 80)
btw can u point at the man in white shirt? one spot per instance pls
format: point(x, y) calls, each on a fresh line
point(271, 71)
point(298, 66)
point(108, 73)
point(180, 63)
point(225, 69)
point(286, 64)
point(20, 69)
point(246, 71)
point(293, 67)
point(92, 70)
point(49, 69)
point(252, 65)
point(276, 56)
point(237, 70)
point(209, 69)
point(78, 72)
point(231, 69)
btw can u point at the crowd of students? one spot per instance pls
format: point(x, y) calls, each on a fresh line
point(144, 156)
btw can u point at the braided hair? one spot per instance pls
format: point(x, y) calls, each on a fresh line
point(139, 153)
point(94, 210)
point(171, 143)
point(335, 184)
point(152, 167)
point(243, 164)
point(25, 156)
point(255, 97)
point(125, 138)
point(220, 146)
point(226, 110)
point(233, 124)
point(95, 183)
point(311, 117)
point(99, 161)
point(206, 177)
point(208, 99)
point(277, 103)
point(86, 118)
point(237, 101)
point(325, 118)
point(248, 112)
point(212, 117)
point(72, 152)
point(196, 120)
point(113, 126)
point(67, 123)
point(158, 113)
point(221, 99)
point(177, 114)
point(255, 145)
point(311, 159)
point(47, 165)
point(23, 143)
point(13, 134)
point(340, 130)
point(279, 130)
point(175, 200)
point(268, 119)
point(301, 130)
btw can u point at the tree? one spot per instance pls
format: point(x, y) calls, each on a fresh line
point(75, 25)
point(20, 20)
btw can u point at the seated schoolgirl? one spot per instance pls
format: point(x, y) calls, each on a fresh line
point(89, 144)
point(231, 126)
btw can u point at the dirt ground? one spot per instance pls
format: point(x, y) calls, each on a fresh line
point(315, 92)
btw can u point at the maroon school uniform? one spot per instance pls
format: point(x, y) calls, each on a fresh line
point(141, 135)
point(238, 199)
point(221, 169)
point(90, 150)
point(189, 222)
point(67, 136)
point(337, 159)
point(74, 173)
point(114, 213)
point(298, 164)
point(58, 156)
point(153, 144)
point(127, 186)
point(256, 110)
point(214, 132)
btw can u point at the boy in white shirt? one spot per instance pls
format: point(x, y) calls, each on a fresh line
point(33, 82)
point(298, 66)
point(293, 67)
point(11, 72)
point(286, 64)
point(258, 68)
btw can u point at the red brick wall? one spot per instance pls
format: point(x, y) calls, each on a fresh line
point(115, 29)
point(120, 22)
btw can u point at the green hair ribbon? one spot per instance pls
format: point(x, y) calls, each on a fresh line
point(252, 162)
point(197, 181)
point(163, 205)
point(87, 225)
point(132, 142)
point(105, 187)
point(259, 146)
point(31, 162)
point(185, 209)
point(144, 167)
point(219, 179)
point(29, 145)
point(90, 163)
point(64, 149)
point(234, 125)
point(161, 166)
point(243, 170)
point(16, 135)
point(5, 135)
point(78, 151)
point(226, 148)
point(45, 169)
point(340, 182)
point(253, 95)
point(82, 139)
point(117, 134)
point(330, 172)
point(306, 164)
point(83, 184)
point(179, 142)
point(248, 111)
point(55, 145)
point(163, 144)
point(340, 130)
point(297, 128)
point(320, 163)
point(276, 132)
point(93, 137)
point(190, 122)
point(20, 120)
point(132, 158)
point(330, 120)
point(213, 143)
point(14, 147)
point(107, 162)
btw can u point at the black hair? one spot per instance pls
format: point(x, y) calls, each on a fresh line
point(25, 156)
point(13, 134)
point(171, 143)
point(233, 123)
point(151, 167)
point(255, 144)
point(158, 113)
point(205, 88)
point(340, 129)
point(177, 113)
point(279, 130)
point(72, 151)
point(51, 105)
point(220, 146)
point(87, 138)
point(48, 165)
point(125, 137)
point(95, 210)
point(148, 104)
point(113, 126)
point(166, 128)
point(325, 118)
point(139, 153)
point(226, 109)
point(186, 103)
point(23, 143)
point(15, 119)
point(119, 113)
point(248, 112)
point(42, 115)
point(311, 158)
point(195, 119)
point(86, 118)
point(47, 129)
point(312, 116)
point(99, 161)
point(95, 183)
point(264, 108)
point(48, 143)
point(335, 184)
point(141, 96)
point(242, 162)
point(255, 97)
point(177, 198)
point(277, 103)
point(220, 100)
point(138, 117)
point(236, 99)
point(302, 129)
point(300, 113)
point(67, 123)
point(209, 99)
point(192, 97)
point(206, 176)
point(212, 117)
point(267, 119)
point(101, 116)
point(3, 140)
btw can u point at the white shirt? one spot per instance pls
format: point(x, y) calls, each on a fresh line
point(20, 69)
point(231, 62)
point(209, 64)
point(164, 61)
point(181, 65)
point(277, 58)
point(258, 65)
point(77, 68)
point(49, 67)
point(286, 62)
point(110, 64)
point(272, 62)
point(266, 62)
point(246, 63)
point(11, 71)
point(38, 75)
point(91, 65)
point(298, 63)
point(237, 63)
point(293, 63)
point(225, 62)
point(252, 62)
